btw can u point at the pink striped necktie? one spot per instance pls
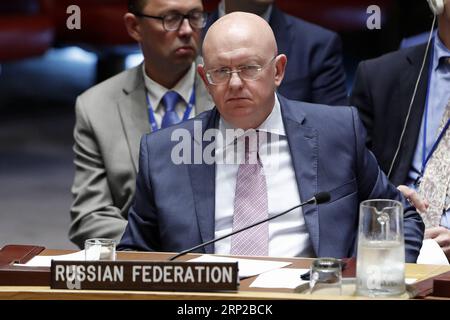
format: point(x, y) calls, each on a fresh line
point(250, 205)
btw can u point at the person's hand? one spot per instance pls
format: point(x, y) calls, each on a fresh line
point(414, 198)
point(442, 236)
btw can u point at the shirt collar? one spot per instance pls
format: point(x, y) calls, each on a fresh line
point(183, 87)
point(273, 125)
point(265, 15)
point(441, 52)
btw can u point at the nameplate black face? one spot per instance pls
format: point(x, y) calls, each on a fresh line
point(144, 275)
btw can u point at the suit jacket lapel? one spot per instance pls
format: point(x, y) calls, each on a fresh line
point(133, 112)
point(407, 83)
point(203, 183)
point(303, 144)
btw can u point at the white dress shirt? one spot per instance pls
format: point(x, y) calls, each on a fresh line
point(288, 236)
point(184, 88)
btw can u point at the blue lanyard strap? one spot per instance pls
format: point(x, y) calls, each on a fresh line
point(151, 115)
point(436, 143)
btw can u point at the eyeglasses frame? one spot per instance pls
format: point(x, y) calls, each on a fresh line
point(184, 16)
point(237, 70)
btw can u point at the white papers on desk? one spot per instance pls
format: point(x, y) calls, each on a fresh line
point(280, 278)
point(45, 261)
point(431, 253)
point(247, 267)
point(410, 280)
point(289, 279)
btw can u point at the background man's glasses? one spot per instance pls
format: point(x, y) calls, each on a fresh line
point(173, 21)
point(247, 72)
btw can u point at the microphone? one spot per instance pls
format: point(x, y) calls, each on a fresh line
point(318, 198)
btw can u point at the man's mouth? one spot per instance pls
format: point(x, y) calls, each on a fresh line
point(237, 98)
point(185, 49)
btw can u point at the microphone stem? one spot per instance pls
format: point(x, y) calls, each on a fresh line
point(312, 200)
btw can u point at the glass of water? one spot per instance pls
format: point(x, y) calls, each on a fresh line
point(380, 264)
point(100, 249)
point(325, 276)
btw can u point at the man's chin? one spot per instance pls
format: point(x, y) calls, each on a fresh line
point(240, 114)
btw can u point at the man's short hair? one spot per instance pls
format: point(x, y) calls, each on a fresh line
point(136, 6)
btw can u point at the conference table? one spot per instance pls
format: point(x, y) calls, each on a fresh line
point(244, 292)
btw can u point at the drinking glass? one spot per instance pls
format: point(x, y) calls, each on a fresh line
point(325, 276)
point(100, 249)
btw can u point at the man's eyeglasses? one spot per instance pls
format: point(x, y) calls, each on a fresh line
point(246, 72)
point(172, 21)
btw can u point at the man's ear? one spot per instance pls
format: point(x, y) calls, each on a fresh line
point(133, 26)
point(280, 67)
point(202, 72)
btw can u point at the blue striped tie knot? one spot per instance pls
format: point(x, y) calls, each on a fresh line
point(170, 100)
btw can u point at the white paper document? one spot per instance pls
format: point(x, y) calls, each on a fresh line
point(431, 253)
point(410, 280)
point(280, 278)
point(247, 267)
point(45, 261)
point(288, 278)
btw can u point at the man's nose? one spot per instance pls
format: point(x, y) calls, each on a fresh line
point(235, 79)
point(185, 28)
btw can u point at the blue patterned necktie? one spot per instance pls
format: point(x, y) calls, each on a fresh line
point(170, 100)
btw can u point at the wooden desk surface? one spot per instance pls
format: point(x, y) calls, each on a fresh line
point(419, 272)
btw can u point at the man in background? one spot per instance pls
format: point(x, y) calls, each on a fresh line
point(403, 100)
point(315, 72)
point(112, 116)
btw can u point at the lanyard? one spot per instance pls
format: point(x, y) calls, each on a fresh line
point(151, 114)
point(436, 143)
point(426, 157)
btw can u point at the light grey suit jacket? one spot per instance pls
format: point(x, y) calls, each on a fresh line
point(111, 117)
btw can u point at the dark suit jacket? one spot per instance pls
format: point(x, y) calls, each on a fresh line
point(382, 93)
point(314, 72)
point(174, 204)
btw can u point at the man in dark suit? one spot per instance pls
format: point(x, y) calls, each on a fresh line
point(179, 204)
point(383, 92)
point(315, 72)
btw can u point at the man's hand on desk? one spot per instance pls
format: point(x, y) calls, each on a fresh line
point(442, 236)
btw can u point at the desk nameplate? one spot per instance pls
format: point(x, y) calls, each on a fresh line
point(144, 275)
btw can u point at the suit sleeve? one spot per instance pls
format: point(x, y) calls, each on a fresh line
point(373, 184)
point(328, 82)
point(93, 213)
point(361, 98)
point(142, 232)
